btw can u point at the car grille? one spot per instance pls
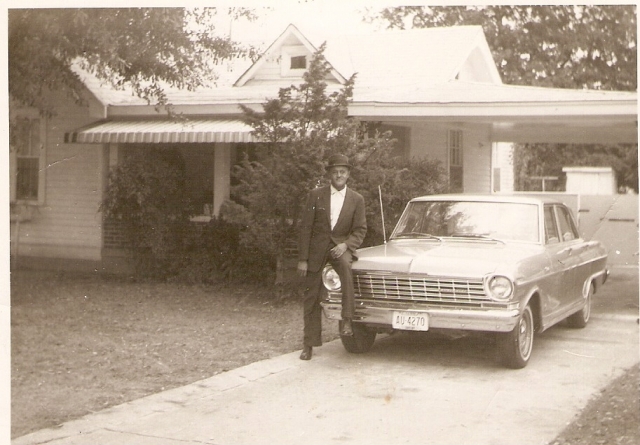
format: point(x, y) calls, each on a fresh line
point(439, 291)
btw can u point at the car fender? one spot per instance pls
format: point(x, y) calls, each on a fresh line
point(598, 279)
point(533, 297)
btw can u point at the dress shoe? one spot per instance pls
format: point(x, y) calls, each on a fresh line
point(347, 329)
point(306, 354)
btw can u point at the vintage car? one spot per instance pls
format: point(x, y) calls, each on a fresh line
point(511, 265)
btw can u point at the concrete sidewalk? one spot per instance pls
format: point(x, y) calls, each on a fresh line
point(408, 389)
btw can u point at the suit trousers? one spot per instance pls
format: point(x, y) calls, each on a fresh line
point(313, 295)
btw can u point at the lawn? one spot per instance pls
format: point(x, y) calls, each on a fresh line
point(81, 343)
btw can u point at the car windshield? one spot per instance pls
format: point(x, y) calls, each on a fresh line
point(503, 221)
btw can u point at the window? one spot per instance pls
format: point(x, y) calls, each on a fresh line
point(298, 62)
point(550, 227)
point(293, 61)
point(567, 226)
point(559, 225)
point(26, 141)
point(455, 161)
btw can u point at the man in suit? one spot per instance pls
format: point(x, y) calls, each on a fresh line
point(333, 227)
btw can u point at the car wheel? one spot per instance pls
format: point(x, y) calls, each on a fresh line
point(361, 340)
point(581, 318)
point(515, 347)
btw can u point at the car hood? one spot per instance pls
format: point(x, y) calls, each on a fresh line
point(446, 258)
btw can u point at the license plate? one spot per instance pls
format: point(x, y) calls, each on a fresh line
point(410, 321)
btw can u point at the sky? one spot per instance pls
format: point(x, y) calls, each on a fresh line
point(311, 16)
point(331, 15)
point(326, 16)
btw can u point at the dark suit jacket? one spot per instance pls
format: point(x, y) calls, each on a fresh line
point(316, 236)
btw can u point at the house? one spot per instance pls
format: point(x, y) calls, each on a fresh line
point(437, 89)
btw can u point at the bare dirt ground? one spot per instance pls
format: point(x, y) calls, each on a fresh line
point(82, 343)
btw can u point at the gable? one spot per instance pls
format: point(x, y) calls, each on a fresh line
point(285, 61)
point(479, 66)
point(423, 57)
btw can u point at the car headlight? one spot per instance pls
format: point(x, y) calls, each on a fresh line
point(499, 288)
point(330, 278)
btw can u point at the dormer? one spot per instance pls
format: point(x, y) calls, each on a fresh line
point(479, 65)
point(287, 59)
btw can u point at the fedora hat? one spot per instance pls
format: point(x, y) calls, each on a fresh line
point(338, 161)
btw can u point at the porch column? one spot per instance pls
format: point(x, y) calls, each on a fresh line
point(221, 175)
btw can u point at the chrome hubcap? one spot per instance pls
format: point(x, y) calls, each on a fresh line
point(525, 335)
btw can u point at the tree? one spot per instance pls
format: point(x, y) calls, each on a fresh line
point(140, 48)
point(548, 159)
point(592, 47)
point(299, 130)
point(399, 179)
point(561, 46)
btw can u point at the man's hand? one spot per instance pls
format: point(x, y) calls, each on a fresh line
point(337, 251)
point(302, 268)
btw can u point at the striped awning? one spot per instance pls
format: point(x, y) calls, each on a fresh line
point(163, 131)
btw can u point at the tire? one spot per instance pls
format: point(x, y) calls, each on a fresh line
point(361, 340)
point(580, 319)
point(515, 347)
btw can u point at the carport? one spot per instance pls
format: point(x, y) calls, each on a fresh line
point(512, 113)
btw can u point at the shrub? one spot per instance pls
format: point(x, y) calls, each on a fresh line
point(146, 194)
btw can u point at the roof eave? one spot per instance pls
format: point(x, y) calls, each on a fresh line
point(515, 109)
point(217, 109)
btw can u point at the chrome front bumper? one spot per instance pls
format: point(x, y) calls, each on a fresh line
point(490, 320)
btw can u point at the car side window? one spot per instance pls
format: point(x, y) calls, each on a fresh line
point(550, 227)
point(567, 227)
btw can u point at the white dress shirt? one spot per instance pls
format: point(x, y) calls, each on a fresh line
point(337, 200)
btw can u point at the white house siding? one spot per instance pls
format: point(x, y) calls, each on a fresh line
point(68, 225)
point(269, 70)
point(503, 160)
point(430, 140)
point(476, 160)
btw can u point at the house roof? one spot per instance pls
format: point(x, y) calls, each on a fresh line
point(428, 56)
point(381, 61)
point(462, 92)
point(442, 73)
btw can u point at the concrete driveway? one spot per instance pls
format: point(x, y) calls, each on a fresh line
point(411, 388)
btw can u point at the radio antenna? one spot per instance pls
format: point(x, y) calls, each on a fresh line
point(384, 233)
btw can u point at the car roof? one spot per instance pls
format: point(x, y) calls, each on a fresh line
point(512, 198)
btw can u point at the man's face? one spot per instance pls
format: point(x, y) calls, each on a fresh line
point(339, 176)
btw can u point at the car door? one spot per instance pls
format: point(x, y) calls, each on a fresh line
point(563, 251)
point(579, 253)
point(554, 270)
point(570, 257)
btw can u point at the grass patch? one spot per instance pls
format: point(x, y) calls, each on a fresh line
point(82, 343)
